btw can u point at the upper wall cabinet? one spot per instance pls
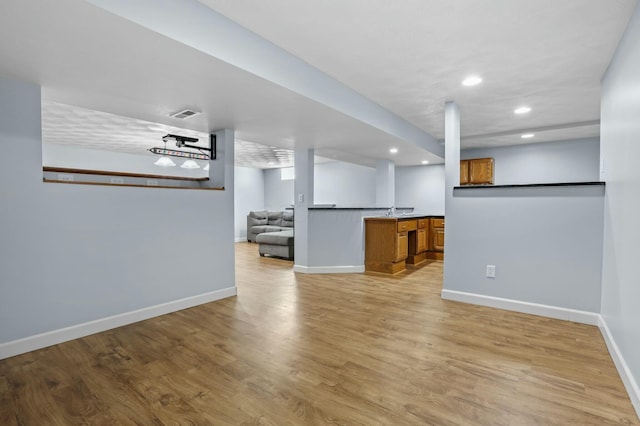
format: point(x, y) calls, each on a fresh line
point(477, 171)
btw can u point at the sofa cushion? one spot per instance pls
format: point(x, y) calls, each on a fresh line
point(284, 238)
point(262, 214)
point(287, 219)
point(265, 228)
point(275, 218)
point(257, 218)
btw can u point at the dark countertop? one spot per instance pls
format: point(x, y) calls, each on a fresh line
point(530, 185)
point(405, 216)
point(356, 208)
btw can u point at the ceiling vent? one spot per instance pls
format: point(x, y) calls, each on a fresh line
point(184, 114)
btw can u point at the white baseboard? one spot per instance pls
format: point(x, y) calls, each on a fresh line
point(240, 239)
point(328, 269)
point(38, 341)
point(583, 317)
point(623, 368)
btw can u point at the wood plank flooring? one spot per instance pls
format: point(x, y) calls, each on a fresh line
point(349, 349)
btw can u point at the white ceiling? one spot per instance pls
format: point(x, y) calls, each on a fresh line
point(74, 126)
point(410, 56)
point(407, 56)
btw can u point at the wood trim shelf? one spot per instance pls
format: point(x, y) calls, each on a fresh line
point(122, 174)
point(133, 185)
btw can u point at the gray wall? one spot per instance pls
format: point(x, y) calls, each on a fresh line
point(545, 244)
point(336, 182)
point(576, 160)
point(75, 253)
point(278, 194)
point(336, 237)
point(620, 132)
point(248, 196)
point(421, 187)
point(344, 184)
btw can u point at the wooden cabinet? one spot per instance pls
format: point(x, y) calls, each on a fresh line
point(386, 244)
point(391, 243)
point(476, 171)
point(464, 172)
point(421, 236)
point(401, 250)
point(418, 243)
point(436, 239)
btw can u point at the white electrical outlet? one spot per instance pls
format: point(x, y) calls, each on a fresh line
point(301, 198)
point(117, 180)
point(65, 177)
point(491, 271)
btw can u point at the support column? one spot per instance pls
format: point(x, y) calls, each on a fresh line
point(451, 179)
point(452, 149)
point(385, 183)
point(221, 169)
point(303, 198)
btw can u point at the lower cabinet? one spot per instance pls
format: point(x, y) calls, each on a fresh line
point(392, 243)
point(402, 246)
point(436, 240)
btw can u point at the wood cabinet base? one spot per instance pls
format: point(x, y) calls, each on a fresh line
point(435, 255)
point(415, 259)
point(385, 268)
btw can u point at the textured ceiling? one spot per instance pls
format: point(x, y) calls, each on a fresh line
point(74, 126)
point(410, 56)
point(407, 56)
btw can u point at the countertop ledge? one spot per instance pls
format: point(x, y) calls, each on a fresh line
point(406, 216)
point(355, 208)
point(529, 185)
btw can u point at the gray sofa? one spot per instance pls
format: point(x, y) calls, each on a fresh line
point(263, 221)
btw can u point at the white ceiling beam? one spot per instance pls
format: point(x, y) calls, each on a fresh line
point(198, 26)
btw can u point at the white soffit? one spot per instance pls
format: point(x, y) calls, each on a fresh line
point(119, 67)
point(411, 56)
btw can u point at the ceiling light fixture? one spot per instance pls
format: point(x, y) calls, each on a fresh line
point(472, 80)
point(190, 164)
point(165, 162)
point(522, 110)
point(527, 136)
point(393, 150)
point(425, 162)
point(184, 141)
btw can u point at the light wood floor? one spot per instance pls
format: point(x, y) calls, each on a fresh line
point(311, 349)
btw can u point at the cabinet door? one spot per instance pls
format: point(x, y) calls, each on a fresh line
point(464, 172)
point(481, 171)
point(402, 246)
point(422, 240)
point(438, 239)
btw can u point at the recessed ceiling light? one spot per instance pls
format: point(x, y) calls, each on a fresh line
point(425, 162)
point(472, 80)
point(393, 150)
point(522, 110)
point(527, 136)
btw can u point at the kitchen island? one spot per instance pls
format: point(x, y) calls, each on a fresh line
point(392, 242)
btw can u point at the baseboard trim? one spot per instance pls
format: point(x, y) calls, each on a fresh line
point(328, 269)
point(39, 341)
point(573, 315)
point(240, 239)
point(621, 365)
